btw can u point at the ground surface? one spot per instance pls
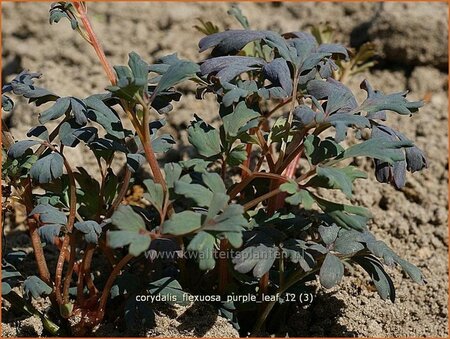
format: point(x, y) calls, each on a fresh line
point(412, 43)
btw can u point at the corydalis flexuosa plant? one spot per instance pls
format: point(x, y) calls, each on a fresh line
point(248, 206)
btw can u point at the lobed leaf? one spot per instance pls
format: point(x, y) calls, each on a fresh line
point(377, 101)
point(91, 229)
point(204, 138)
point(36, 287)
point(47, 168)
point(337, 178)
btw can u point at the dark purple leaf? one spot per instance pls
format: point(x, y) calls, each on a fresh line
point(339, 97)
point(229, 67)
point(229, 42)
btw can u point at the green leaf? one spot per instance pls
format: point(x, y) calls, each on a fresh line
point(203, 243)
point(201, 195)
point(218, 202)
point(132, 79)
point(328, 233)
point(173, 173)
point(236, 12)
point(176, 73)
point(139, 69)
point(346, 216)
point(237, 155)
point(7, 103)
point(154, 194)
point(48, 168)
point(343, 121)
point(348, 241)
point(39, 131)
point(413, 272)
point(318, 150)
point(138, 242)
point(204, 138)
point(182, 223)
point(6, 288)
point(378, 148)
point(235, 122)
point(337, 178)
point(170, 289)
point(231, 220)
point(214, 182)
point(331, 271)
point(125, 218)
point(298, 196)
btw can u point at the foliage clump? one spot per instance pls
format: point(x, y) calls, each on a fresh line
point(245, 215)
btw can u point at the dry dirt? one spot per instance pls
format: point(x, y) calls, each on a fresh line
point(412, 44)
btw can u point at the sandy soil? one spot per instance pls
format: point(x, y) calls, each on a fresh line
point(412, 44)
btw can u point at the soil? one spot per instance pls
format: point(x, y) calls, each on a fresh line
point(411, 40)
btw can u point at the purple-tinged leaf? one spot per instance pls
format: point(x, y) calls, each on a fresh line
point(339, 97)
point(229, 42)
point(277, 71)
point(333, 49)
point(394, 173)
point(226, 68)
point(377, 101)
point(79, 111)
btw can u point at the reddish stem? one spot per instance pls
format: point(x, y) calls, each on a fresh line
point(81, 9)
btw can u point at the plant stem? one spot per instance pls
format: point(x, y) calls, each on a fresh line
point(122, 192)
point(81, 9)
point(41, 262)
point(143, 132)
point(63, 299)
point(277, 107)
point(276, 191)
point(298, 276)
point(240, 186)
point(291, 115)
point(266, 151)
point(147, 144)
point(261, 198)
point(109, 283)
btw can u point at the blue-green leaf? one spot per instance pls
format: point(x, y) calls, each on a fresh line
point(204, 138)
point(331, 271)
point(48, 168)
